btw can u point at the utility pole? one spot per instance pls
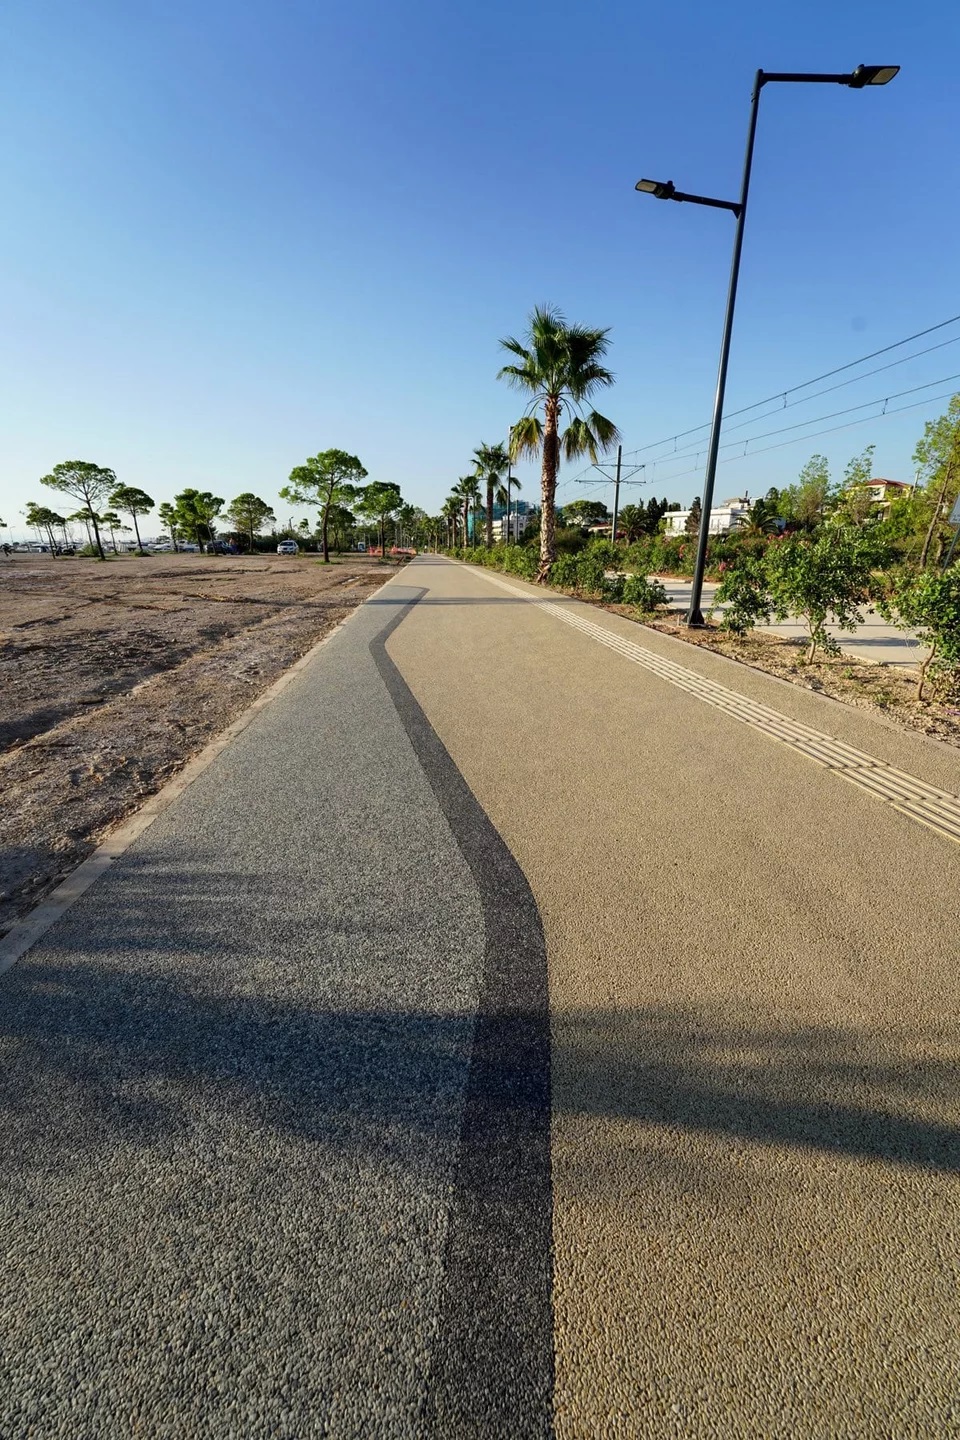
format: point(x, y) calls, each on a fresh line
point(616, 496)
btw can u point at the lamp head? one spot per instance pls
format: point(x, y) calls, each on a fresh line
point(659, 189)
point(872, 75)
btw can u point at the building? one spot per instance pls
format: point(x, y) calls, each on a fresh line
point(883, 492)
point(517, 524)
point(731, 515)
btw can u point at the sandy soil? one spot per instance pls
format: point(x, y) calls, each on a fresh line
point(114, 675)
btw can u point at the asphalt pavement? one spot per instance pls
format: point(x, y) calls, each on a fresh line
point(528, 1026)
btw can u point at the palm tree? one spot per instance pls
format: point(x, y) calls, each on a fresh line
point(450, 513)
point(559, 366)
point(491, 461)
point(502, 497)
point(468, 492)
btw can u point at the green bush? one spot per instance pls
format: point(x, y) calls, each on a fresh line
point(645, 594)
point(928, 603)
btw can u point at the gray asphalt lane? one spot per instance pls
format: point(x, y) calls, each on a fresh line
point(248, 1104)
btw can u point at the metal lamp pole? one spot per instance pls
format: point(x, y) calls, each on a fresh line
point(858, 79)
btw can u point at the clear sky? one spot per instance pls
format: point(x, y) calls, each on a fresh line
point(241, 231)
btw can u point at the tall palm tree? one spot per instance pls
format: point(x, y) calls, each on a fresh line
point(491, 461)
point(502, 497)
point(559, 366)
point(469, 492)
point(451, 513)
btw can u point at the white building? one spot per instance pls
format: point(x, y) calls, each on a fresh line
point(518, 524)
point(731, 515)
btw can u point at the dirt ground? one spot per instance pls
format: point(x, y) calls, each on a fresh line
point(114, 675)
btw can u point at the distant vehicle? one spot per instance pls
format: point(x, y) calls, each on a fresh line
point(361, 547)
point(163, 546)
point(288, 547)
point(188, 545)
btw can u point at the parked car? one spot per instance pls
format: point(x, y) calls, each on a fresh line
point(288, 547)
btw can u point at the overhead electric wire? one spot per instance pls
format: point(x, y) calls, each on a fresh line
point(832, 430)
point(813, 420)
point(827, 375)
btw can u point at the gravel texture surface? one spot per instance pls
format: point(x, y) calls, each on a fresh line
point(235, 1080)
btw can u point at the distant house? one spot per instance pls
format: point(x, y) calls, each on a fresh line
point(883, 492)
point(731, 515)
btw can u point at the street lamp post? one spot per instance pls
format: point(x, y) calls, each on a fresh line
point(858, 79)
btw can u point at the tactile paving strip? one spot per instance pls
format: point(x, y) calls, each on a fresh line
point(937, 809)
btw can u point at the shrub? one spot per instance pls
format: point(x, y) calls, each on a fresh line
point(645, 594)
point(817, 577)
point(929, 604)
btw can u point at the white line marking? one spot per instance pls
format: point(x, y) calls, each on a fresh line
point(936, 809)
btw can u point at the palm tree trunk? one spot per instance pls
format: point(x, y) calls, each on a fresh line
point(136, 530)
point(548, 487)
point(489, 513)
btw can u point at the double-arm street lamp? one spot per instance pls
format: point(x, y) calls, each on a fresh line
point(666, 190)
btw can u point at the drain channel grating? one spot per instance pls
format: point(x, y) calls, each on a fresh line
point(937, 809)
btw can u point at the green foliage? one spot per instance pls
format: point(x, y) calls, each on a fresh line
point(135, 502)
point(90, 484)
point(195, 512)
point(646, 595)
point(827, 575)
point(249, 514)
point(692, 523)
point(559, 368)
point(928, 603)
point(377, 503)
point(42, 519)
point(585, 512)
point(938, 457)
point(330, 478)
point(804, 505)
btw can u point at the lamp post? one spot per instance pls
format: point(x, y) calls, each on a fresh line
point(858, 79)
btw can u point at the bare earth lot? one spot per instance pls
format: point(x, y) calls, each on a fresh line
point(114, 675)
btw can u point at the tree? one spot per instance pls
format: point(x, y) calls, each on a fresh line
point(330, 478)
point(585, 512)
point(135, 502)
point(196, 511)
point(468, 492)
point(938, 457)
point(342, 521)
point(90, 484)
point(42, 519)
point(814, 577)
point(559, 367)
point(112, 521)
point(167, 515)
point(492, 461)
point(633, 520)
point(378, 502)
point(450, 514)
point(249, 514)
point(928, 603)
point(692, 523)
point(806, 503)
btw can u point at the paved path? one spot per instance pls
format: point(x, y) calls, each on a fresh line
point(875, 640)
point(297, 1146)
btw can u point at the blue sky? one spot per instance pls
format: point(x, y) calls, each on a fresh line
point(238, 233)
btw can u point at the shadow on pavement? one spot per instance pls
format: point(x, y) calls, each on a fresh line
point(103, 1052)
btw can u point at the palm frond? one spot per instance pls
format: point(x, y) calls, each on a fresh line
point(526, 437)
point(588, 436)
